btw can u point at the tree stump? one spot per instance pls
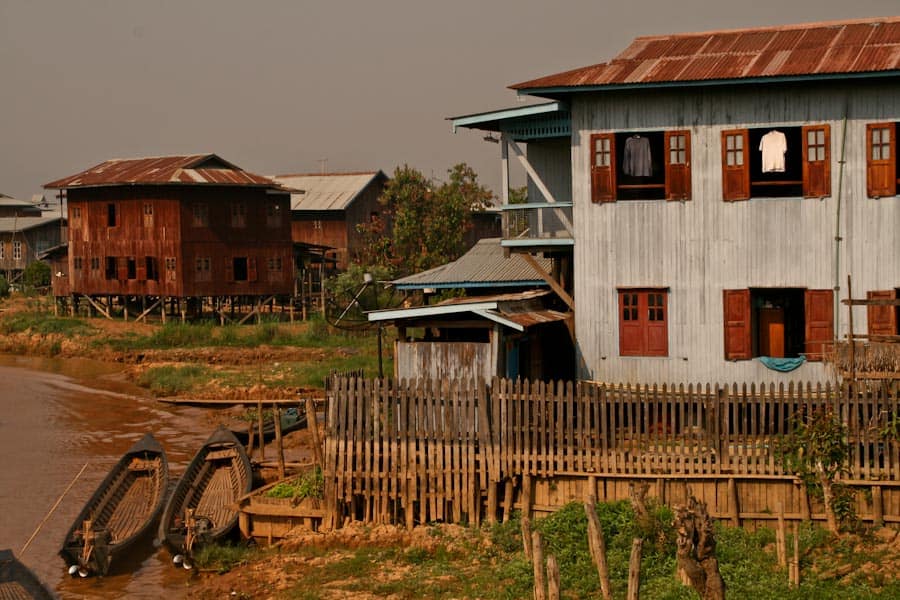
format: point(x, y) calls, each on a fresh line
point(696, 547)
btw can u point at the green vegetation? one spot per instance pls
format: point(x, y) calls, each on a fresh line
point(171, 380)
point(36, 275)
point(224, 557)
point(4, 287)
point(489, 562)
point(308, 485)
point(43, 324)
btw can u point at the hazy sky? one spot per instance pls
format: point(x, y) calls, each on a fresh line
point(275, 86)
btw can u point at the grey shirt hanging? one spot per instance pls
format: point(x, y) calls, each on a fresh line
point(637, 161)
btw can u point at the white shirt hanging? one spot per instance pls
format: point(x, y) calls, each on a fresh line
point(773, 146)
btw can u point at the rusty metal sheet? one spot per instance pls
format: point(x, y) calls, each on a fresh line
point(867, 45)
point(202, 169)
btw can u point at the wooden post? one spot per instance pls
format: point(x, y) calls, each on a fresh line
point(526, 538)
point(877, 506)
point(262, 437)
point(537, 552)
point(313, 424)
point(781, 538)
point(492, 501)
point(552, 578)
point(804, 502)
point(597, 545)
point(251, 431)
point(526, 496)
point(794, 574)
point(244, 524)
point(850, 332)
point(733, 502)
point(508, 488)
point(279, 445)
point(634, 569)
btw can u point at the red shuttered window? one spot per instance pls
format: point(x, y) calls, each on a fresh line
point(603, 170)
point(643, 322)
point(816, 161)
point(735, 165)
point(737, 325)
point(819, 323)
point(881, 159)
point(883, 318)
point(678, 165)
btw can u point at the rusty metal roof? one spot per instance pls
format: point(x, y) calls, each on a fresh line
point(326, 191)
point(811, 49)
point(195, 169)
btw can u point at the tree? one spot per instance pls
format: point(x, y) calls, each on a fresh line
point(36, 274)
point(429, 221)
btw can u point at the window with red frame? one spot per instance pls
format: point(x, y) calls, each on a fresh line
point(643, 322)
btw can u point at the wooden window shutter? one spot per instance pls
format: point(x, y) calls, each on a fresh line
point(252, 271)
point(736, 310)
point(141, 270)
point(819, 322)
point(229, 268)
point(603, 167)
point(882, 319)
point(678, 165)
point(816, 161)
point(657, 327)
point(122, 268)
point(735, 165)
point(881, 159)
point(631, 332)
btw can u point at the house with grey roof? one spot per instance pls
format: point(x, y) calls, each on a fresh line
point(25, 233)
point(327, 207)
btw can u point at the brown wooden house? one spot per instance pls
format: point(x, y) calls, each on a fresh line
point(183, 230)
point(327, 207)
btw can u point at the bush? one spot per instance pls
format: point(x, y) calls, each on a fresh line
point(4, 287)
point(36, 274)
point(309, 485)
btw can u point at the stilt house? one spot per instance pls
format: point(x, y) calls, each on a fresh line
point(708, 195)
point(191, 230)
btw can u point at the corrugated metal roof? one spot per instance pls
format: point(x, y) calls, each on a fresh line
point(484, 264)
point(195, 169)
point(328, 191)
point(837, 47)
point(10, 201)
point(12, 224)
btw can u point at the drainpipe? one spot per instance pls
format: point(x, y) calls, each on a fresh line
point(837, 226)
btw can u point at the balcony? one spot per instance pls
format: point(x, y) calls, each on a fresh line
point(538, 226)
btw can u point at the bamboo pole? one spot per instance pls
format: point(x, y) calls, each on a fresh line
point(794, 574)
point(781, 538)
point(279, 444)
point(53, 508)
point(313, 424)
point(262, 437)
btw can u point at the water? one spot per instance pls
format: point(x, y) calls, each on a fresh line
point(52, 424)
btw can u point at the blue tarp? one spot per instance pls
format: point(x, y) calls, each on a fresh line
point(782, 364)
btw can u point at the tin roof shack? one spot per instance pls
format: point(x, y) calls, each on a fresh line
point(24, 238)
point(193, 230)
point(327, 207)
point(723, 186)
point(507, 335)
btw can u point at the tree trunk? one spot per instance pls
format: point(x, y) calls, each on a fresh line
point(827, 497)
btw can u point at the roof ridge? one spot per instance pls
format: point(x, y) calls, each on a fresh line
point(330, 174)
point(771, 28)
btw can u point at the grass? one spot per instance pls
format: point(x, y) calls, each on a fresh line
point(489, 563)
point(224, 557)
point(43, 324)
point(171, 380)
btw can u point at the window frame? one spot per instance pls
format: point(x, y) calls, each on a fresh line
point(881, 173)
point(17, 250)
point(641, 332)
point(200, 214)
point(238, 215)
point(605, 168)
point(738, 182)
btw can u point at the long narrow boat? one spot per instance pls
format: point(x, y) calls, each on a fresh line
point(291, 420)
point(124, 508)
point(17, 582)
point(202, 508)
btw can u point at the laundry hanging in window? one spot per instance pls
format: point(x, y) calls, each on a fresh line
point(773, 146)
point(637, 161)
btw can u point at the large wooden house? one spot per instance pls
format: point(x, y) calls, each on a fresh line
point(713, 192)
point(327, 207)
point(191, 230)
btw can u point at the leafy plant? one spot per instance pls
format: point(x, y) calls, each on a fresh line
point(309, 485)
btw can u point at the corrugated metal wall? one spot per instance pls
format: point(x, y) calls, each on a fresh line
point(439, 360)
point(700, 247)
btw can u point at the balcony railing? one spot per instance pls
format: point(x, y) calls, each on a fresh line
point(538, 224)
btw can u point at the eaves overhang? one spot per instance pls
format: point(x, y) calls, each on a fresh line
point(562, 92)
point(537, 121)
point(452, 285)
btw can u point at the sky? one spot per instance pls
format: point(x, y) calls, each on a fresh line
point(279, 86)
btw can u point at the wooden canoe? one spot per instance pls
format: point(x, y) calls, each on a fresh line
point(125, 506)
point(17, 582)
point(202, 508)
point(291, 420)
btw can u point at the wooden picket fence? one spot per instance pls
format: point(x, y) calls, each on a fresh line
point(458, 451)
